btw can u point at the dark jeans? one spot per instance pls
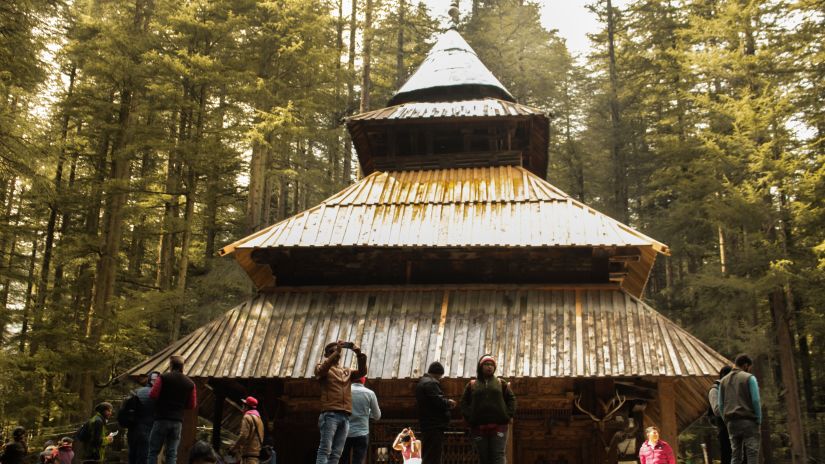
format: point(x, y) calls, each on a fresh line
point(724, 443)
point(164, 432)
point(333, 427)
point(358, 447)
point(744, 440)
point(138, 439)
point(432, 446)
point(490, 447)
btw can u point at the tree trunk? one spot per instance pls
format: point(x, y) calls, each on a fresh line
point(787, 364)
point(65, 220)
point(212, 190)
point(366, 58)
point(51, 224)
point(117, 196)
point(400, 72)
point(137, 244)
point(27, 304)
point(12, 249)
point(722, 252)
point(346, 174)
point(617, 155)
point(171, 209)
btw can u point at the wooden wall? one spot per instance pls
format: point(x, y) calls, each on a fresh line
point(548, 428)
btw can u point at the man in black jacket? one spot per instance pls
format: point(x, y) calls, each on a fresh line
point(172, 393)
point(433, 413)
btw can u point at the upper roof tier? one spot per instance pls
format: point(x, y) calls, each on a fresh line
point(493, 208)
point(452, 71)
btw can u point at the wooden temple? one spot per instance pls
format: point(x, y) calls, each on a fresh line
point(453, 245)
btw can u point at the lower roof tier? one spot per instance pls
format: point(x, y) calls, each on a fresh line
point(533, 331)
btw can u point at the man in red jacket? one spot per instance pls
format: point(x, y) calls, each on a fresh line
point(172, 392)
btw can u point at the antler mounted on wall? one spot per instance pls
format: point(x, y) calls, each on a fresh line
point(609, 409)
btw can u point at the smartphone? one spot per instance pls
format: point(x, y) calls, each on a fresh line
point(348, 345)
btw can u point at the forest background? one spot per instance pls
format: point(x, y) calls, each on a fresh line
point(138, 136)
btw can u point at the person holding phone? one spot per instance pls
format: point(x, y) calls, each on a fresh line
point(95, 447)
point(409, 446)
point(336, 399)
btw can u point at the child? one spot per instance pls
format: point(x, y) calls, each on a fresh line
point(65, 451)
point(409, 446)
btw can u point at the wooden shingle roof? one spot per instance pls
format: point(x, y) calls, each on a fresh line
point(533, 331)
point(505, 206)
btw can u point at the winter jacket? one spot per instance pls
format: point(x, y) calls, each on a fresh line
point(433, 408)
point(65, 454)
point(14, 453)
point(95, 449)
point(336, 381)
point(173, 392)
point(660, 453)
point(488, 401)
point(252, 435)
point(739, 397)
point(146, 413)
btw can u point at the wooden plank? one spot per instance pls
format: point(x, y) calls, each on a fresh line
point(579, 335)
point(280, 347)
point(442, 322)
point(568, 354)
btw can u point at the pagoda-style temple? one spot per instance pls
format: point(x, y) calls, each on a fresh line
point(453, 245)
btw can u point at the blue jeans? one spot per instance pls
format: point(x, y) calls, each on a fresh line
point(744, 440)
point(164, 432)
point(490, 448)
point(334, 427)
point(358, 447)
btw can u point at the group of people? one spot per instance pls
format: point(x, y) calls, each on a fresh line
point(154, 415)
point(487, 404)
point(736, 411)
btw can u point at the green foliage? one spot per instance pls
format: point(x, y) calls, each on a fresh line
point(215, 104)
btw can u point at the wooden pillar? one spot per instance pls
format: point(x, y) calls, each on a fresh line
point(217, 420)
point(511, 437)
point(667, 409)
point(188, 434)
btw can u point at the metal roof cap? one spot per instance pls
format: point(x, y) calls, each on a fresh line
point(451, 71)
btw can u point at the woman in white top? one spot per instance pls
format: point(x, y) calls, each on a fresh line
point(409, 446)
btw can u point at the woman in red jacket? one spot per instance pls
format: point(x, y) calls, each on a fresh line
point(654, 450)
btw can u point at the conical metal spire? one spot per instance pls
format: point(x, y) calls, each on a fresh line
point(451, 72)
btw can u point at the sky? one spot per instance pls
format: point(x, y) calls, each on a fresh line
point(570, 17)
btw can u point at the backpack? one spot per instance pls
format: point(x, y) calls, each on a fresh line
point(713, 412)
point(84, 433)
point(127, 415)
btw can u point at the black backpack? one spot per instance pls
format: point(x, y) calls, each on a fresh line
point(127, 415)
point(84, 433)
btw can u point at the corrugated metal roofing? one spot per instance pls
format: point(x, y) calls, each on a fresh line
point(533, 332)
point(450, 63)
point(475, 108)
point(491, 206)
